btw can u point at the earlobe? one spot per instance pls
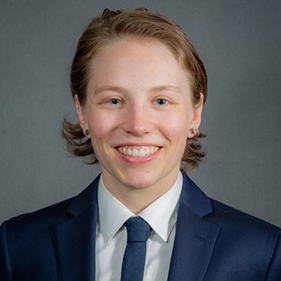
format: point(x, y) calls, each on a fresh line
point(196, 120)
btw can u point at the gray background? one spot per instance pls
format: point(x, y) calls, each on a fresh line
point(240, 44)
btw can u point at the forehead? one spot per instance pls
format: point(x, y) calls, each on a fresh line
point(134, 61)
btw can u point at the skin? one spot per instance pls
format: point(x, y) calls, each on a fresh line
point(138, 96)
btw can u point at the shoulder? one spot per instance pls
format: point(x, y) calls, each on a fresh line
point(242, 231)
point(56, 213)
point(29, 239)
point(228, 218)
point(24, 237)
point(225, 215)
point(238, 231)
point(246, 241)
point(33, 228)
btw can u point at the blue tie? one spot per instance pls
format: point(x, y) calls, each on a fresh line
point(134, 258)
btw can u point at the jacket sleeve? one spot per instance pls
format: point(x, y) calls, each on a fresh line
point(274, 270)
point(5, 266)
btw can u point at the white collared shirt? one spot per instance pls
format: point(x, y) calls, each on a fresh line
point(111, 236)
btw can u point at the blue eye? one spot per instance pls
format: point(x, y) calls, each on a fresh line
point(161, 102)
point(114, 101)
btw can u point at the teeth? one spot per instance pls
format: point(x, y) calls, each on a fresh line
point(135, 152)
point(125, 150)
point(142, 153)
point(138, 152)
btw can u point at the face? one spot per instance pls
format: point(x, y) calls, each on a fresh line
point(139, 113)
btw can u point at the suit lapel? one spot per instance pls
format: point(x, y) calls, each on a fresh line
point(194, 241)
point(195, 236)
point(75, 237)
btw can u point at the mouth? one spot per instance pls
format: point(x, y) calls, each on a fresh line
point(138, 151)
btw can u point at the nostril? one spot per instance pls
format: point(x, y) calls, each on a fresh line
point(137, 127)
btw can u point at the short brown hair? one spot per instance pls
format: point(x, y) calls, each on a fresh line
point(113, 25)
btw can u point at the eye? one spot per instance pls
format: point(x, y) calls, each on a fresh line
point(114, 101)
point(161, 102)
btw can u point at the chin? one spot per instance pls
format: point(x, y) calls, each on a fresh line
point(139, 182)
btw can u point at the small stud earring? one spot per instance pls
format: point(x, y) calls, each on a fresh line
point(87, 132)
point(191, 131)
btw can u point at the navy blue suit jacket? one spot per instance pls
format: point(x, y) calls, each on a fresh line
point(213, 242)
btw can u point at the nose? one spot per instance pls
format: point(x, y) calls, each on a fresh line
point(138, 120)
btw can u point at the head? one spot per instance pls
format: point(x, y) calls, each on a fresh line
point(113, 26)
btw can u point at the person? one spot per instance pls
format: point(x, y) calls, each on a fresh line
point(139, 87)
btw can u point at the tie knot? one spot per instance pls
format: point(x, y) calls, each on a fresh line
point(138, 229)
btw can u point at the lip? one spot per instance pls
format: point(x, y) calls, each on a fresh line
point(138, 160)
point(138, 144)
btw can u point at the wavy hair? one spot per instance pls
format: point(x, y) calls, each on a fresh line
point(111, 26)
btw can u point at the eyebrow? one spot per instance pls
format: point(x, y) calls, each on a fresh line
point(109, 88)
point(165, 88)
point(122, 89)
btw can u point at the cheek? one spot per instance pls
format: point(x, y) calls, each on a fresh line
point(176, 126)
point(100, 125)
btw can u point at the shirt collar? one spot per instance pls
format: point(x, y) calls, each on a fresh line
point(161, 214)
point(112, 213)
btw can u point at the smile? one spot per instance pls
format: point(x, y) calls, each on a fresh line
point(140, 152)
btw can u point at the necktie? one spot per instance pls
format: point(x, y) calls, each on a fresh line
point(134, 258)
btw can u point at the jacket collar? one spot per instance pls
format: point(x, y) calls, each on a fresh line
point(195, 236)
point(194, 198)
point(75, 237)
point(194, 241)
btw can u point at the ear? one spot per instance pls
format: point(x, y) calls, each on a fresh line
point(81, 114)
point(197, 113)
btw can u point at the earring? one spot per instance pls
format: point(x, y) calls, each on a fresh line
point(87, 132)
point(191, 131)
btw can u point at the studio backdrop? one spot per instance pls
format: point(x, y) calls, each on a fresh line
point(240, 43)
